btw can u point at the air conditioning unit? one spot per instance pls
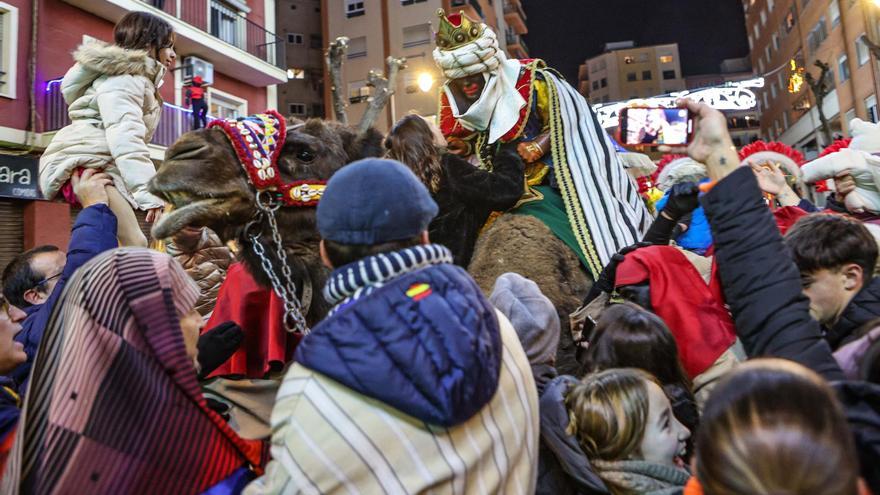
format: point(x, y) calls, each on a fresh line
point(194, 66)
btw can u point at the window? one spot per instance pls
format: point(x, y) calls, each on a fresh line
point(224, 105)
point(642, 58)
point(666, 59)
point(8, 49)
point(790, 20)
point(843, 68)
point(776, 41)
point(646, 75)
point(227, 24)
point(763, 18)
point(318, 110)
point(628, 60)
point(410, 2)
point(817, 35)
point(765, 100)
point(595, 85)
point(420, 34)
point(871, 106)
point(773, 90)
point(757, 31)
point(862, 50)
point(761, 65)
point(770, 4)
point(358, 91)
point(834, 13)
point(298, 109)
point(848, 116)
point(767, 53)
point(751, 43)
point(296, 73)
point(354, 8)
point(631, 76)
point(668, 74)
point(785, 121)
point(357, 47)
point(295, 38)
point(603, 82)
point(316, 41)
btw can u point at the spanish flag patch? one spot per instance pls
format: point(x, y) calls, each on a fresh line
point(418, 291)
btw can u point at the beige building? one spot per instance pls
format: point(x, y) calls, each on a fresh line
point(803, 31)
point(299, 26)
point(626, 71)
point(378, 29)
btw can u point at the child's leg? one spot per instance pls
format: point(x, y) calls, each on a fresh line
point(127, 229)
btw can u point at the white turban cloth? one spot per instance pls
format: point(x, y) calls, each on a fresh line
point(498, 108)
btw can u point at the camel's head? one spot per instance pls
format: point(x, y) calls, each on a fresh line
point(204, 181)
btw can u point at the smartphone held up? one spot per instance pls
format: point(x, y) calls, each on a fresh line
point(655, 126)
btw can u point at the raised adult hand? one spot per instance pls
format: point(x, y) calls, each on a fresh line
point(89, 187)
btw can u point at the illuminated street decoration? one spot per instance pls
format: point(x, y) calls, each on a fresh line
point(796, 80)
point(735, 96)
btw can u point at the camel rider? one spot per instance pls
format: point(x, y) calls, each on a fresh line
point(576, 182)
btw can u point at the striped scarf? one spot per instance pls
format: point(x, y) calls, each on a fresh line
point(114, 405)
point(355, 280)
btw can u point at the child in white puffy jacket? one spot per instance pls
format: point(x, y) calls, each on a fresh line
point(114, 105)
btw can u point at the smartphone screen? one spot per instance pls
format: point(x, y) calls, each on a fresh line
point(655, 126)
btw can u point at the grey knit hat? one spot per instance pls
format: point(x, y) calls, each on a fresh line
point(532, 315)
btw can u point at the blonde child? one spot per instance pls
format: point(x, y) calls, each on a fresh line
point(114, 105)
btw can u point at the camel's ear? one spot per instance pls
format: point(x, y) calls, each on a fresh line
point(364, 145)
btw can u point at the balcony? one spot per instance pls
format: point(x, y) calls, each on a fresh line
point(516, 47)
point(515, 17)
point(210, 30)
point(583, 72)
point(174, 122)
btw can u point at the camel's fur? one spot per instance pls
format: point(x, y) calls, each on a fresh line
point(524, 245)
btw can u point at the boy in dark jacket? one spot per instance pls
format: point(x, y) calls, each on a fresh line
point(836, 257)
point(413, 382)
point(762, 285)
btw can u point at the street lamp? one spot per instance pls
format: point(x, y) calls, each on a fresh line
point(425, 81)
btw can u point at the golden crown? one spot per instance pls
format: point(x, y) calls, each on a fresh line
point(456, 30)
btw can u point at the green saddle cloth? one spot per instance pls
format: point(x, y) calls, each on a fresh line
point(551, 212)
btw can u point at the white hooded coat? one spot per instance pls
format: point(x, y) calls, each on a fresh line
point(114, 107)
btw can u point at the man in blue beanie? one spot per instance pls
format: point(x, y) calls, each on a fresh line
point(413, 382)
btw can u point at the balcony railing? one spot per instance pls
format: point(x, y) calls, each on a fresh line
point(224, 23)
point(174, 122)
point(515, 39)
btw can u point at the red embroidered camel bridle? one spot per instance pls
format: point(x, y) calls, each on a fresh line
point(258, 140)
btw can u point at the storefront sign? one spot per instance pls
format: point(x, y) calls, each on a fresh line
point(19, 177)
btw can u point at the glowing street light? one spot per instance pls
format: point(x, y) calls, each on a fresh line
point(425, 82)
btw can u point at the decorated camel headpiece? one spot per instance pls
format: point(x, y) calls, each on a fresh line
point(465, 47)
point(861, 157)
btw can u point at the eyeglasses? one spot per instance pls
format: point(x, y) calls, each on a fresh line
point(46, 280)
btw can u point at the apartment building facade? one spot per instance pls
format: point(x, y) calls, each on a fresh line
point(299, 26)
point(786, 38)
point(229, 42)
point(744, 125)
point(378, 29)
point(626, 71)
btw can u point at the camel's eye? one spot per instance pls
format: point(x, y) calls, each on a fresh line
point(305, 155)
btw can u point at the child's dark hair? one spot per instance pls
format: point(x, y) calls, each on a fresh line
point(627, 336)
point(143, 31)
point(826, 241)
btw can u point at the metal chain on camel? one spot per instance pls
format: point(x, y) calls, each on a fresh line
point(294, 320)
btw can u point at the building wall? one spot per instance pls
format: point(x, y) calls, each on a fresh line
point(14, 112)
point(848, 96)
point(614, 68)
point(302, 17)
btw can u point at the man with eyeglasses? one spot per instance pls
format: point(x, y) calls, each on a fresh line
point(35, 279)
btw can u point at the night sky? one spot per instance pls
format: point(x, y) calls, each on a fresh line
point(566, 32)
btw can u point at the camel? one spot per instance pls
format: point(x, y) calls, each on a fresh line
point(204, 181)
